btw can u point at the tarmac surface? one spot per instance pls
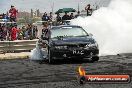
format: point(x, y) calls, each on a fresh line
point(23, 73)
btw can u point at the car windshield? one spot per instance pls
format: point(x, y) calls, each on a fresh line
point(67, 32)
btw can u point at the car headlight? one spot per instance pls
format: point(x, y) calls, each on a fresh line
point(60, 47)
point(88, 46)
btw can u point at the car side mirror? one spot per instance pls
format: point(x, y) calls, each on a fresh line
point(90, 34)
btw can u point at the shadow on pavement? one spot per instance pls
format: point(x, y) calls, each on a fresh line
point(66, 61)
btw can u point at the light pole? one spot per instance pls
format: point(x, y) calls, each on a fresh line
point(79, 4)
point(78, 7)
point(52, 7)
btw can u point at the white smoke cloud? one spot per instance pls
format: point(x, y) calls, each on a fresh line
point(111, 27)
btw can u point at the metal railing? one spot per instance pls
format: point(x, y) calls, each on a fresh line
point(17, 46)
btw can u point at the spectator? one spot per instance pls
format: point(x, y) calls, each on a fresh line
point(71, 16)
point(23, 31)
point(4, 32)
point(1, 32)
point(6, 17)
point(20, 35)
point(46, 33)
point(13, 13)
point(51, 16)
point(88, 9)
point(29, 29)
point(10, 26)
point(45, 17)
point(66, 17)
point(58, 19)
point(14, 32)
point(26, 36)
point(34, 31)
point(8, 29)
point(3, 16)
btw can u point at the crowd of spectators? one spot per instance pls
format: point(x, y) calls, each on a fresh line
point(9, 29)
point(59, 19)
point(12, 32)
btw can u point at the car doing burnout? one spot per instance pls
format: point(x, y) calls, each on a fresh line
point(71, 42)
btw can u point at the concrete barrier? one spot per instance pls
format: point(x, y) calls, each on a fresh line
point(17, 46)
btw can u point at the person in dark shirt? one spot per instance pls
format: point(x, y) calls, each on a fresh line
point(66, 17)
point(29, 28)
point(58, 18)
point(51, 16)
point(1, 32)
point(71, 16)
point(88, 9)
point(3, 16)
point(6, 17)
point(34, 31)
point(45, 17)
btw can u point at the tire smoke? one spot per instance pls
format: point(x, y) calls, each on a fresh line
point(111, 27)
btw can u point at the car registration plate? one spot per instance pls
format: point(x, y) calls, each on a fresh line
point(80, 52)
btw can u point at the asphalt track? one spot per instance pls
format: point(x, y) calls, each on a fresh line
point(28, 74)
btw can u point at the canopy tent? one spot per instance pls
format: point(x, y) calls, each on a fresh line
point(65, 10)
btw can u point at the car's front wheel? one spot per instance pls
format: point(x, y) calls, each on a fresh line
point(95, 58)
point(50, 60)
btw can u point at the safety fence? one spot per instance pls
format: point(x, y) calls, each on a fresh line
point(17, 46)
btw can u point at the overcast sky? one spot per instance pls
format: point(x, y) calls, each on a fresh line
point(45, 5)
